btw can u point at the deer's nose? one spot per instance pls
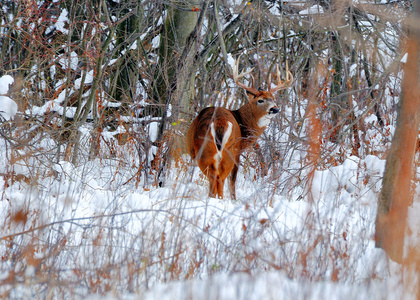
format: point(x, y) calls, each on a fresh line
point(274, 110)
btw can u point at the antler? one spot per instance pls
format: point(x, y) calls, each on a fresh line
point(281, 85)
point(236, 77)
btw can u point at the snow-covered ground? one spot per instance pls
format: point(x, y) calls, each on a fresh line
point(99, 229)
point(264, 246)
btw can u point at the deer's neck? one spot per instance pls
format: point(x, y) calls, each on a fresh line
point(250, 130)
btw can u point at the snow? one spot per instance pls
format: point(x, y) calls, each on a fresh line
point(5, 81)
point(266, 245)
point(72, 61)
point(88, 79)
point(8, 107)
point(133, 46)
point(62, 19)
point(315, 9)
point(231, 60)
point(340, 215)
point(103, 228)
point(273, 285)
point(156, 42)
point(153, 131)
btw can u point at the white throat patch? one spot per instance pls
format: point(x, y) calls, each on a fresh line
point(265, 120)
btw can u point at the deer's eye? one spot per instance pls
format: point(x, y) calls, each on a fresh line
point(260, 101)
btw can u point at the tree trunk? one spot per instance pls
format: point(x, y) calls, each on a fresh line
point(126, 75)
point(178, 26)
point(396, 193)
point(337, 100)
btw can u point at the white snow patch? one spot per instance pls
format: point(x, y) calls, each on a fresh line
point(153, 130)
point(8, 108)
point(88, 79)
point(316, 9)
point(62, 19)
point(73, 61)
point(5, 81)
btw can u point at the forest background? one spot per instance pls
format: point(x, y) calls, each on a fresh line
point(99, 197)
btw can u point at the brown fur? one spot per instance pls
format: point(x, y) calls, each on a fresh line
point(202, 145)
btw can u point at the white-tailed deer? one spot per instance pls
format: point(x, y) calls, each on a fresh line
point(218, 136)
